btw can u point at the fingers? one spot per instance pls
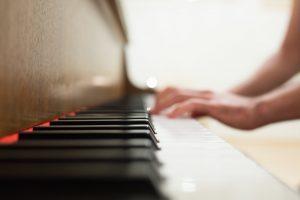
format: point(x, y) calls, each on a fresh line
point(197, 114)
point(190, 106)
point(171, 100)
point(206, 94)
point(171, 96)
point(161, 98)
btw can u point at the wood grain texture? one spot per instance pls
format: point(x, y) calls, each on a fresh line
point(56, 56)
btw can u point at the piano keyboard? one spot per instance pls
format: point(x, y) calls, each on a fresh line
point(105, 152)
point(112, 152)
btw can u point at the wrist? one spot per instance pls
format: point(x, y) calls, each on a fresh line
point(244, 89)
point(238, 90)
point(262, 111)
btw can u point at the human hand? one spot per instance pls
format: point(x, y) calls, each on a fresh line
point(171, 95)
point(233, 110)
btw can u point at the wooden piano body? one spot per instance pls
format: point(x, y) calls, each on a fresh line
point(58, 56)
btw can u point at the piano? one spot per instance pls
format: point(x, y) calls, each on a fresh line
point(73, 126)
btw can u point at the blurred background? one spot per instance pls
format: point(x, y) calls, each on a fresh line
point(210, 43)
point(214, 44)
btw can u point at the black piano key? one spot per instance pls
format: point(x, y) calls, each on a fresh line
point(107, 116)
point(91, 143)
point(88, 178)
point(88, 134)
point(113, 111)
point(77, 154)
point(119, 107)
point(129, 127)
point(102, 122)
point(94, 127)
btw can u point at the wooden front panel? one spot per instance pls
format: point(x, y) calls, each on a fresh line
point(56, 56)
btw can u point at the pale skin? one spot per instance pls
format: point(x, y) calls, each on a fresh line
point(264, 98)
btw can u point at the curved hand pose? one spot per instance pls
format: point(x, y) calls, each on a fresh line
point(262, 99)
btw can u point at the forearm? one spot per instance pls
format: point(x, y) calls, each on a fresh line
point(276, 71)
point(280, 67)
point(279, 105)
